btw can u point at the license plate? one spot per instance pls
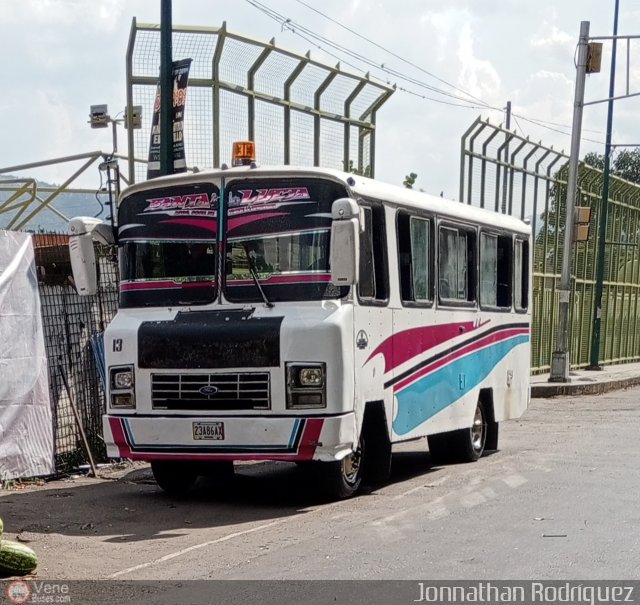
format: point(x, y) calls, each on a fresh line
point(208, 430)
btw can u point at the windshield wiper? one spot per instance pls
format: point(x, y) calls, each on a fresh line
point(254, 275)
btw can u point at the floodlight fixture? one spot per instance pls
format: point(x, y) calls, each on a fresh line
point(99, 116)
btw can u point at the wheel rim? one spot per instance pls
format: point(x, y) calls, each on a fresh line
point(351, 465)
point(478, 430)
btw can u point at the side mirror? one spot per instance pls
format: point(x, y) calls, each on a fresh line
point(345, 242)
point(104, 234)
point(82, 254)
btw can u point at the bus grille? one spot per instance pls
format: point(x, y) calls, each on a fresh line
point(231, 391)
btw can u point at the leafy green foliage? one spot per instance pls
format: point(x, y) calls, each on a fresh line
point(626, 164)
point(410, 180)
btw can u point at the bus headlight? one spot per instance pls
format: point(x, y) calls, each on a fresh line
point(121, 378)
point(121, 382)
point(306, 385)
point(311, 377)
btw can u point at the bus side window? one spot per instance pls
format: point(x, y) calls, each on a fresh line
point(505, 270)
point(495, 270)
point(415, 258)
point(488, 270)
point(457, 256)
point(521, 275)
point(421, 259)
point(404, 256)
point(374, 282)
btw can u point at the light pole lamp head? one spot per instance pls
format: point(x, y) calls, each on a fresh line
point(99, 116)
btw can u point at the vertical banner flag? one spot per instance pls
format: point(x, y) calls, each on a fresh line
point(180, 79)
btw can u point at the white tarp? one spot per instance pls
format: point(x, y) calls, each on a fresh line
point(26, 429)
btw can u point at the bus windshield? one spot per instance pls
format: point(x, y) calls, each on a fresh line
point(281, 227)
point(168, 246)
point(184, 271)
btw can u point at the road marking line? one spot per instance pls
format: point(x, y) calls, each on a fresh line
point(488, 493)
point(515, 480)
point(179, 553)
point(389, 533)
point(437, 512)
point(389, 518)
point(472, 499)
point(409, 491)
point(436, 483)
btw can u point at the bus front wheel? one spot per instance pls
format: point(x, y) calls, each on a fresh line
point(342, 478)
point(174, 476)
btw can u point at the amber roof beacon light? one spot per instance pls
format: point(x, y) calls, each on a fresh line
point(244, 152)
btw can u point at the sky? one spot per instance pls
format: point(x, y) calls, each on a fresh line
point(61, 56)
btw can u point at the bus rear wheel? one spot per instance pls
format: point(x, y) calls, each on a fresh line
point(342, 479)
point(463, 445)
point(175, 477)
point(473, 439)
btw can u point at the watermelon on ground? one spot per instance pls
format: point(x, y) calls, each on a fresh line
point(16, 558)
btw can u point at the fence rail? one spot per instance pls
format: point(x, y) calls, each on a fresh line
point(298, 110)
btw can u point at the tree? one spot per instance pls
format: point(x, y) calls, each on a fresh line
point(410, 180)
point(626, 164)
point(550, 227)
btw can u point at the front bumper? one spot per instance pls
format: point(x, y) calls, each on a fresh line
point(291, 438)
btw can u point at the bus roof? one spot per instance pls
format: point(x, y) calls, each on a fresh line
point(358, 185)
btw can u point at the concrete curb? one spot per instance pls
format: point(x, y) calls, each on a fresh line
point(553, 389)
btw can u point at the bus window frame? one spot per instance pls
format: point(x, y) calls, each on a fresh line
point(453, 302)
point(525, 277)
point(431, 219)
point(372, 301)
point(497, 233)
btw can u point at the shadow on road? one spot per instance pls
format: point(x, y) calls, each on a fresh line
point(133, 507)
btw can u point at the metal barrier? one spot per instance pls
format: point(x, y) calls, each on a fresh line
point(69, 322)
point(508, 173)
point(23, 200)
point(298, 110)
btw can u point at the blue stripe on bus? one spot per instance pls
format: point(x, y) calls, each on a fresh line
point(434, 392)
point(292, 439)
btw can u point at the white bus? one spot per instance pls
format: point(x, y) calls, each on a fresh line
point(303, 314)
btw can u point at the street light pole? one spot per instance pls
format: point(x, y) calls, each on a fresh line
point(166, 89)
point(594, 361)
point(561, 358)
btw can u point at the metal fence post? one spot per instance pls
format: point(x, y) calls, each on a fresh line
point(602, 231)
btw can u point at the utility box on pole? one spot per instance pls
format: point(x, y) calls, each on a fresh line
point(594, 57)
point(581, 219)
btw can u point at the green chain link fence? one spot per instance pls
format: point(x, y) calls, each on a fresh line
point(506, 172)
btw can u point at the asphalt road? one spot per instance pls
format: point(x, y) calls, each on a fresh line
point(558, 501)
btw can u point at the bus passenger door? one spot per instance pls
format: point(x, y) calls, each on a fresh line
point(372, 317)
